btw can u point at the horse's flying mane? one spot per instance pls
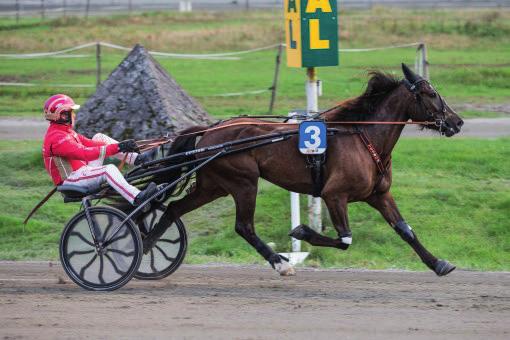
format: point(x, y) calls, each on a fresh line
point(379, 86)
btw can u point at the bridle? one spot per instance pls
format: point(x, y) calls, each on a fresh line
point(413, 88)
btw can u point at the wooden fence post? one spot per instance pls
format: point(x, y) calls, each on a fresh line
point(130, 6)
point(98, 63)
point(275, 78)
point(421, 64)
point(42, 10)
point(17, 12)
point(87, 7)
point(425, 62)
point(64, 5)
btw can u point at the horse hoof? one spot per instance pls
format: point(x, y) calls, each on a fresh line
point(443, 267)
point(301, 232)
point(284, 269)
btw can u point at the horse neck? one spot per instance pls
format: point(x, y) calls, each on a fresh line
point(395, 108)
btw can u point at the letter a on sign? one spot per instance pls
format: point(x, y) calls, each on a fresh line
point(311, 31)
point(314, 5)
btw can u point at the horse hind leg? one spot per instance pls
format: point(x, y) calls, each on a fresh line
point(244, 192)
point(200, 196)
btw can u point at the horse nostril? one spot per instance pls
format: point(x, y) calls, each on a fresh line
point(460, 123)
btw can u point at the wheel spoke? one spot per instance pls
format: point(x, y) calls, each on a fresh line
point(79, 252)
point(153, 219)
point(82, 271)
point(132, 253)
point(170, 259)
point(81, 237)
point(153, 267)
point(108, 226)
point(117, 270)
point(177, 240)
point(146, 227)
point(115, 239)
point(101, 268)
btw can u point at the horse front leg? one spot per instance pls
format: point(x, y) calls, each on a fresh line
point(337, 207)
point(386, 205)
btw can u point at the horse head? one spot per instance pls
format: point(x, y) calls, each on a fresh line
point(431, 107)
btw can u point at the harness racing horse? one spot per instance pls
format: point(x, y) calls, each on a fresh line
point(349, 175)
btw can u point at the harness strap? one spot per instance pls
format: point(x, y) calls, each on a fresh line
point(316, 165)
point(373, 152)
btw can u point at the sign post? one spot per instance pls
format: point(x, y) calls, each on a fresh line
point(311, 35)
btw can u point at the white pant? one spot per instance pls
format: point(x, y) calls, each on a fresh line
point(95, 173)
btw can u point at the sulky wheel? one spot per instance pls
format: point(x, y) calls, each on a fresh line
point(102, 268)
point(168, 253)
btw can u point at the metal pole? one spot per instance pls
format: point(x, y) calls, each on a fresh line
point(312, 106)
point(130, 6)
point(64, 5)
point(295, 209)
point(98, 64)
point(17, 12)
point(295, 219)
point(275, 78)
point(42, 9)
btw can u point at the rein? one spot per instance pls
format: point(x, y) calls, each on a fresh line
point(288, 124)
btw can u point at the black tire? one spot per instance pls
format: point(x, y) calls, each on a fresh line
point(108, 270)
point(168, 253)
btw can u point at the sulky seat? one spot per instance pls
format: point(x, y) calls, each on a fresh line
point(75, 193)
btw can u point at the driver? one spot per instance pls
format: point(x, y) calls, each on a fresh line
point(71, 158)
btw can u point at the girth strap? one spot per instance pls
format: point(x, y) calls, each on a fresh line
point(316, 165)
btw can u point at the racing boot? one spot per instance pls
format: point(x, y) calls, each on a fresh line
point(150, 190)
point(146, 156)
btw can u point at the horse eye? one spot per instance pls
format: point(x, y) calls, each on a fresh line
point(433, 95)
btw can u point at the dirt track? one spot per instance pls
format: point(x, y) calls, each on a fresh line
point(252, 302)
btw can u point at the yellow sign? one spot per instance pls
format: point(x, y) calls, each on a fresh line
point(311, 32)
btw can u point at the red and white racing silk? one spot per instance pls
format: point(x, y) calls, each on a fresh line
point(65, 151)
point(71, 158)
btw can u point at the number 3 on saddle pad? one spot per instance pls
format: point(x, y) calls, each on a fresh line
point(312, 137)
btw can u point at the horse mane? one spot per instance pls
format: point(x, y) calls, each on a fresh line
point(379, 86)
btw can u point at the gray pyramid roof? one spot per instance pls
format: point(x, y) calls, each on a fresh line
point(139, 100)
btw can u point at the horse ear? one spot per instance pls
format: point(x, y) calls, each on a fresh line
point(410, 75)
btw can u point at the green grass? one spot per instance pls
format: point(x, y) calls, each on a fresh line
point(453, 192)
point(468, 53)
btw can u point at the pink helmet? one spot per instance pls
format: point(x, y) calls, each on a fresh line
point(57, 104)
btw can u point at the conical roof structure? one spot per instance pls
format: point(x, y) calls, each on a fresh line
point(139, 100)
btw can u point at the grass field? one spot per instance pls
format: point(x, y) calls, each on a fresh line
point(468, 52)
point(454, 192)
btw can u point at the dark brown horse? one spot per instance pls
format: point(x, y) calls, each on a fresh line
point(350, 173)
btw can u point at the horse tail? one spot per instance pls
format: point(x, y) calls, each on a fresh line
point(186, 140)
